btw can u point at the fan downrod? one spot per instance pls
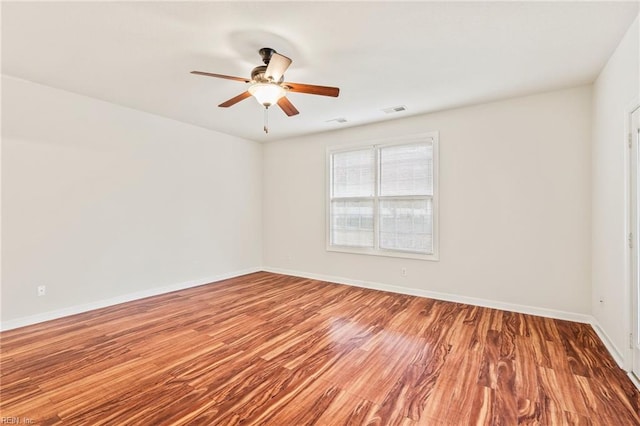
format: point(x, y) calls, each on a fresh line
point(266, 53)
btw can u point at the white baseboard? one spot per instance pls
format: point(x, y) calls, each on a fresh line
point(634, 379)
point(608, 343)
point(531, 310)
point(77, 309)
point(524, 309)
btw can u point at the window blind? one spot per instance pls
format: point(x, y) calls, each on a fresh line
point(382, 198)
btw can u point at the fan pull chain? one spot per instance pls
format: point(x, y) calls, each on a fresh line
point(266, 119)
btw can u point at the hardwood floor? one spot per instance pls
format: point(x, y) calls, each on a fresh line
point(278, 350)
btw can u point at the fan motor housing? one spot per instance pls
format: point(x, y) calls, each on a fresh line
point(257, 73)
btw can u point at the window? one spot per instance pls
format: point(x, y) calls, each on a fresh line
point(383, 198)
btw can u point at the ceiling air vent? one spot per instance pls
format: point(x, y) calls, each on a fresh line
point(394, 109)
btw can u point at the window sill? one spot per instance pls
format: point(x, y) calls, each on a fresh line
point(385, 253)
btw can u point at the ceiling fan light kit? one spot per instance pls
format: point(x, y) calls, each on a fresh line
point(268, 86)
point(267, 94)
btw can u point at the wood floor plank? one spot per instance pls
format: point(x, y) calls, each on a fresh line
point(526, 389)
point(347, 409)
point(269, 349)
point(310, 404)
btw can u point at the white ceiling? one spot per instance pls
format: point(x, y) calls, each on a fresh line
point(427, 56)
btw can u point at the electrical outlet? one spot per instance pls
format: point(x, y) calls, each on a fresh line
point(42, 290)
point(403, 272)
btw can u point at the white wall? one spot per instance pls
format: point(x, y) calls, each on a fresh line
point(615, 91)
point(101, 201)
point(514, 205)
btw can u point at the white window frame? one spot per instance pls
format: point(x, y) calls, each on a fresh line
point(381, 143)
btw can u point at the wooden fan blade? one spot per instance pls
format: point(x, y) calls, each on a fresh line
point(287, 106)
point(228, 77)
point(235, 100)
point(278, 64)
point(312, 89)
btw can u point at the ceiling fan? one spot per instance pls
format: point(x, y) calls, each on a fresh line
point(268, 85)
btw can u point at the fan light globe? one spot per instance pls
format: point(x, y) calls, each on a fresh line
point(266, 94)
